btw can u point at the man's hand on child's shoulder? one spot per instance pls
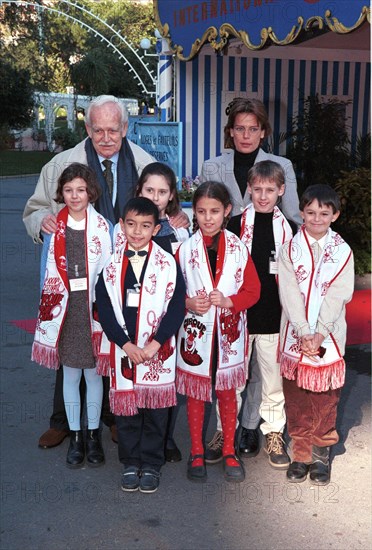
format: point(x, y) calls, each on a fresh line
point(180, 220)
point(49, 224)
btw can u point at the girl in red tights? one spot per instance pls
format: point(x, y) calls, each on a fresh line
point(221, 283)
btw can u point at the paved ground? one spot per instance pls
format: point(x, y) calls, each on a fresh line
point(44, 505)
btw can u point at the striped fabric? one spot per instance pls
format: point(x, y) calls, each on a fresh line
point(208, 83)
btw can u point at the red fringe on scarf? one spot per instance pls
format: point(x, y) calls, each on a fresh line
point(127, 403)
point(156, 397)
point(96, 343)
point(45, 356)
point(102, 360)
point(316, 379)
point(194, 386)
point(232, 377)
point(123, 403)
point(103, 365)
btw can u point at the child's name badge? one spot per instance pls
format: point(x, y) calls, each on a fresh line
point(273, 267)
point(133, 298)
point(175, 247)
point(273, 264)
point(78, 284)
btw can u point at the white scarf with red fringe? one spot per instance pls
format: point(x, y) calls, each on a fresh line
point(314, 282)
point(153, 382)
point(56, 288)
point(281, 228)
point(196, 336)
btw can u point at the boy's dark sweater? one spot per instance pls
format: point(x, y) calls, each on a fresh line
point(169, 324)
point(264, 316)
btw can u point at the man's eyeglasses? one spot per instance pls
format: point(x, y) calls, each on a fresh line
point(99, 132)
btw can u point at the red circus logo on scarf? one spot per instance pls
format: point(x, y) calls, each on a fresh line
point(50, 307)
point(156, 364)
point(229, 325)
point(301, 274)
point(195, 330)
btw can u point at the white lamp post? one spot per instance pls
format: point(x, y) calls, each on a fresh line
point(164, 80)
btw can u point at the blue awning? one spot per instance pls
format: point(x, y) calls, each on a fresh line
point(189, 24)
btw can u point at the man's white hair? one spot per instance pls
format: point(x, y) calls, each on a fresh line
point(102, 100)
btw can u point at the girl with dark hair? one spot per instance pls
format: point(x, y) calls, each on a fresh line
point(221, 283)
point(66, 331)
point(158, 183)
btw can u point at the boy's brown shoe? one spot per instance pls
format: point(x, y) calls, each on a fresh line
point(278, 457)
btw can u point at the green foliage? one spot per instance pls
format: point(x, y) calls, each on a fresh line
point(362, 261)
point(7, 140)
point(90, 75)
point(28, 46)
point(16, 97)
point(53, 48)
point(354, 223)
point(66, 138)
point(361, 158)
point(134, 20)
point(319, 142)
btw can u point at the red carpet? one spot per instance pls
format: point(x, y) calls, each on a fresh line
point(28, 325)
point(358, 317)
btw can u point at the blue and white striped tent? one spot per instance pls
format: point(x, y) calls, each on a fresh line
point(211, 71)
point(280, 77)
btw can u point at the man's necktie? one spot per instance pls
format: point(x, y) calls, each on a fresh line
point(108, 175)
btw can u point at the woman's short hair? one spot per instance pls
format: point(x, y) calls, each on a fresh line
point(246, 106)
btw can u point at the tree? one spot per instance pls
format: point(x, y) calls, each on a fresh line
point(16, 97)
point(319, 140)
point(48, 44)
point(90, 75)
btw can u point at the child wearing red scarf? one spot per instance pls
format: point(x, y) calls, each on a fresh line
point(221, 283)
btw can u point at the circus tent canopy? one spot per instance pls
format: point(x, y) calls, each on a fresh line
point(189, 24)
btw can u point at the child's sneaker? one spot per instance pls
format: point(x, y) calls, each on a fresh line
point(149, 481)
point(213, 452)
point(130, 479)
point(278, 457)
